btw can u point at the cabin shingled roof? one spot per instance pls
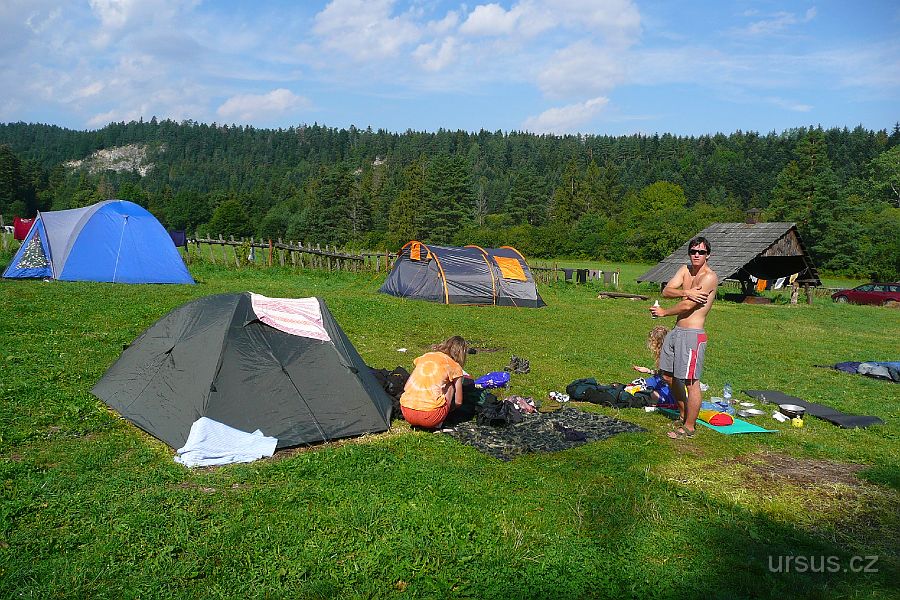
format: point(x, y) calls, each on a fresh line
point(734, 245)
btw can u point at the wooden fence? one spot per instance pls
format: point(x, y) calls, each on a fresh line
point(244, 252)
point(555, 273)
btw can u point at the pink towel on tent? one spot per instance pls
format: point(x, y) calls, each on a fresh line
point(297, 316)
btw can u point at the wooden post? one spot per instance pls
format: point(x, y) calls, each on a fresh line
point(808, 291)
point(795, 292)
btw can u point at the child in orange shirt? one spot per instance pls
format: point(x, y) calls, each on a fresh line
point(434, 387)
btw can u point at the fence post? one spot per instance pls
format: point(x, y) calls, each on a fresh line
point(808, 292)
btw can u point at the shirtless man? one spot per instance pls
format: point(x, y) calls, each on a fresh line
point(683, 349)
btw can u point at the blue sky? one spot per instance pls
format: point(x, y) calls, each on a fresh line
point(565, 66)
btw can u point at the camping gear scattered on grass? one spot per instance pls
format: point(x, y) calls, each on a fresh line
point(280, 365)
point(467, 275)
point(494, 379)
point(884, 370)
point(791, 410)
point(738, 426)
point(603, 295)
point(21, 228)
point(820, 411)
point(559, 397)
point(212, 443)
point(614, 395)
point(540, 432)
point(392, 382)
point(751, 412)
point(518, 366)
point(114, 241)
point(714, 417)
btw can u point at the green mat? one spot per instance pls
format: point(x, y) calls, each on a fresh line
point(739, 426)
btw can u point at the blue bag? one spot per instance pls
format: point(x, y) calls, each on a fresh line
point(495, 379)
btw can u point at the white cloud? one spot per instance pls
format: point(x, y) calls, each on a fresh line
point(490, 19)
point(445, 25)
point(113, 13)
point(581, 69)
point(110, 116)
point(778, 23)
point(788, 104)
point(247, 108)
point(38, 22)
point(434, 57)
point(566, 119)
point(365, 30)
point(118, 17)
point(92, 89)
point(616, 21)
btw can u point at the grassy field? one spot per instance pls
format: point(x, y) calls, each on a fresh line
point(93, 507)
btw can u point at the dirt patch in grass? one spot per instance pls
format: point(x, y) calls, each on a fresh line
point(479, 346)
point(772, 467)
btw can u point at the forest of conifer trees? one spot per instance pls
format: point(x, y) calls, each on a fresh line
point(627, 198)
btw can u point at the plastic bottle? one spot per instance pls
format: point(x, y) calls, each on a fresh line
point(726, 392)
point(655, 305)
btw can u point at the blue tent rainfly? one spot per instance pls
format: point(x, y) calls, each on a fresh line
point(114, 241)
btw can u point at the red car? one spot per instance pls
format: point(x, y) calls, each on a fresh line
point(870, 293)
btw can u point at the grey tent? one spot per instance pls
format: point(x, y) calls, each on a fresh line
point(283, 366)
point(466, 275)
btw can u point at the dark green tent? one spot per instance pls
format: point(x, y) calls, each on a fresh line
point(216, 357)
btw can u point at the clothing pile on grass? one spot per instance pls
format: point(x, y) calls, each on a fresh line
point(512, 425)
point(886, 370)
point(538, 432)
point(637, 394)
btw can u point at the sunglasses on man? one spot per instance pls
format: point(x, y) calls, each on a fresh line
point(698, 251)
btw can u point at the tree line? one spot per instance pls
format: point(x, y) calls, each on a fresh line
point(622, 198)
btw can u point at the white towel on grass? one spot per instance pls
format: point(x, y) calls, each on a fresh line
point(213, 443)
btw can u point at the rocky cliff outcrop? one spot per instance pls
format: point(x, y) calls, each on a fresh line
point(132, 157)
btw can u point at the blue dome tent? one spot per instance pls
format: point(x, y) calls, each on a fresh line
point(114, 240)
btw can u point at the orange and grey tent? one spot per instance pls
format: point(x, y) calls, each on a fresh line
point(467, 275)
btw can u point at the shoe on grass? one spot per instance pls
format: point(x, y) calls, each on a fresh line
point(681, 433)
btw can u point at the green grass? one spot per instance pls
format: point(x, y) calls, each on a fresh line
point(93, 507)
